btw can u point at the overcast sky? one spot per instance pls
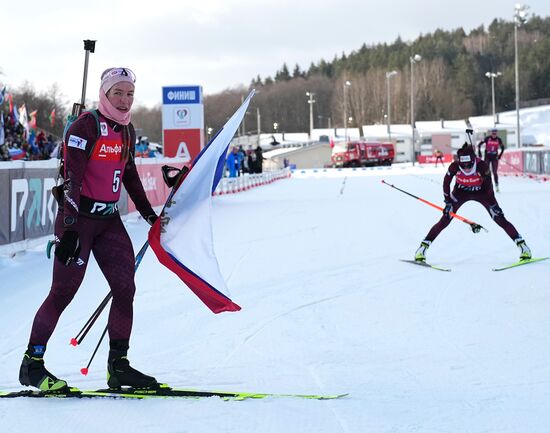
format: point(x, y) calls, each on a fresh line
point(215, 43)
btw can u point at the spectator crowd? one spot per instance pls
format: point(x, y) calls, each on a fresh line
point(240, 161)
point(16, 144)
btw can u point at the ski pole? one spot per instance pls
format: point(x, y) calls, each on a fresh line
point(173, 181)
point(84, 370)
point(75, 341)
point(476, 228)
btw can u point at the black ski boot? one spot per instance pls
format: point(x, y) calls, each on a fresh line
point(33, 372)
point(119, 371)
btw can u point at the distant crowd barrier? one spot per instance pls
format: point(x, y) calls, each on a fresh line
point(28, 208)
point(532, 163)
point(232, 185)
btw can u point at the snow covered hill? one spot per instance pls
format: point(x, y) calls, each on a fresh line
point(327, 308)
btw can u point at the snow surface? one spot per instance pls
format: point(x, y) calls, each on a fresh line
point(327, 308)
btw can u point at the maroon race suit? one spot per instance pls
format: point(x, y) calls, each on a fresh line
point(474, 184)
point(94, 170)
point(491, 154)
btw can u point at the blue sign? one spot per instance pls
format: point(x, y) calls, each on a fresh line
point(181, 95)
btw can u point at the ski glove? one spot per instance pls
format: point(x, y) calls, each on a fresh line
point(164, 220)
point(68, 248)
point(448, 208)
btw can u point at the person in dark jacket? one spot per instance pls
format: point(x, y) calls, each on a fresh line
point(472, 182)
point(259, 159)
point(494, 148)
point(96, 165)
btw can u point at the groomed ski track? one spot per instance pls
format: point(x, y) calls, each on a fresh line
point(327, 308)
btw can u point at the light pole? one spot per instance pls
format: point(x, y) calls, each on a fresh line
point(346, 85)
point(413, 59)
point(388, 120)
point(492, 76)
point(310, 101)
point(258, 120)
point(520, 17)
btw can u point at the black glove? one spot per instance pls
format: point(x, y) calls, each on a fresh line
point(68, 247)
point(448, 208)
point(164, 220)
point(151, 219)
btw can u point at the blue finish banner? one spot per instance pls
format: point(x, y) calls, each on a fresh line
point(181, 95)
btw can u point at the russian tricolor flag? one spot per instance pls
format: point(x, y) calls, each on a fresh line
point(187, 245)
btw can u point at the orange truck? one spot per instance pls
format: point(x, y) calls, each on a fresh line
point(362, 154)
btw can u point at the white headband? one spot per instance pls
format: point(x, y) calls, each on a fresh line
point(112, 76)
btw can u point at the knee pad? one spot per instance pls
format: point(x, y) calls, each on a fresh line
point(496, 211)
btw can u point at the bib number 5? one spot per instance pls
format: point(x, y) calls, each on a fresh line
point(116, 180)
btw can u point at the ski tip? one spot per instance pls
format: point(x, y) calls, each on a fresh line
point(74, 342)
point(84, 371)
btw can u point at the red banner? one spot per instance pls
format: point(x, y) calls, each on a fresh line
point(153, 184)
point(182, 143)
point(430, 159)
point(511, 162)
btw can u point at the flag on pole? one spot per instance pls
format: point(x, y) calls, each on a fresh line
point(24, 119)
point(10, 99)
point(15, 113)
point(2, 94)
point(51, 118)
point(32, 121)
point(187, 246)
point(2, 134)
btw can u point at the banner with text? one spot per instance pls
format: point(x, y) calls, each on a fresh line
point(28, 207)
point(182, 121)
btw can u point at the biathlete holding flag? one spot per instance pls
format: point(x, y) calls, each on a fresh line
point(472, 182)
point(96, 165)
point(493, 143)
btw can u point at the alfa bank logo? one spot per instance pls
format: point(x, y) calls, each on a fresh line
point(106, 150)
point(182, 116)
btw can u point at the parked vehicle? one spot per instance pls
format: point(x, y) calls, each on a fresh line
point(362, 153)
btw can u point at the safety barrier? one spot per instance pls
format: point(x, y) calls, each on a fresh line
point(530, 163)
point(28, 208)
point(232, 185)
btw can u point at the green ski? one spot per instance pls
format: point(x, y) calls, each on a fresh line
point(426, 265)
point(521, 263)
point(163, 392)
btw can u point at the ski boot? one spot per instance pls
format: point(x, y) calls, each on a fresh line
point(120, 373)
point(33, 372)
point(525, 252)
point(420, 255)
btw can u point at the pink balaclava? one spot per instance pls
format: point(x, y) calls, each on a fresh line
point(109, 78)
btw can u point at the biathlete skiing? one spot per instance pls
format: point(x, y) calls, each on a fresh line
point(472, 182)
point(494, 148)
point(98, 159)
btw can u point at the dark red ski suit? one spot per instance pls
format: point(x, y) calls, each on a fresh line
point(473, 185)
point(89, 206)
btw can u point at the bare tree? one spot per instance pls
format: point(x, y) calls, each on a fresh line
point(148, 122)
